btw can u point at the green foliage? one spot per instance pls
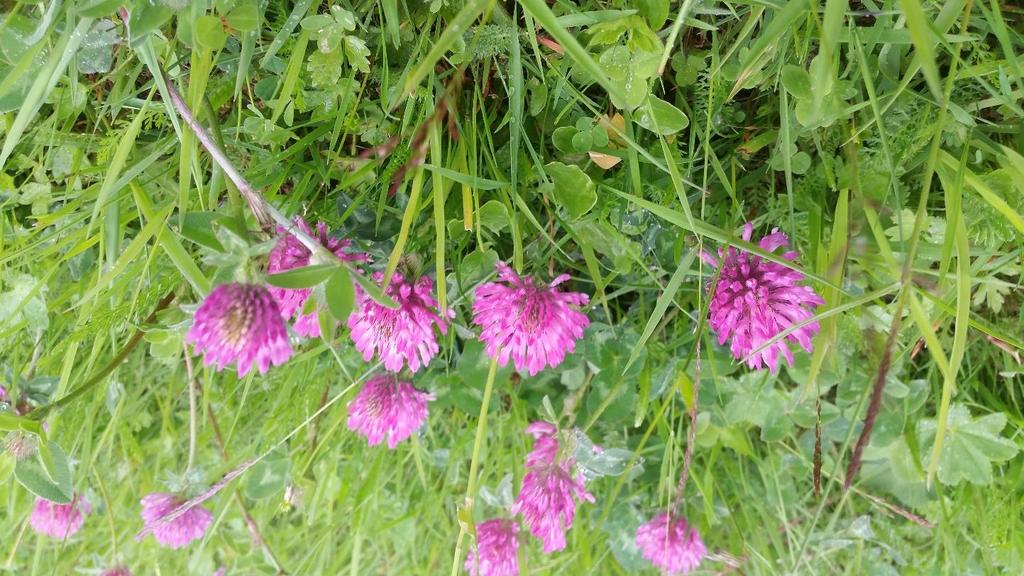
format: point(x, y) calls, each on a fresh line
point(972, 444)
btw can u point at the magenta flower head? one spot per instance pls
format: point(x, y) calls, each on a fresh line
point(388, 408)
point(289, 253)
point(403, 335)
point(533, 323)
point(497, 546)
point(671, 544)
point(59, 520)
point(550, 489)
point(756, 299)
point(177, 532)
point(240, 323)
point(117, 571)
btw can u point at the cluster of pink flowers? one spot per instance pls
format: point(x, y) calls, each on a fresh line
point(533, 324)
point(399, 336)
point(388, 408)
point(551, 488)
point(671, 544)
point(60, 521)
point(755, 300)
point(170, 529)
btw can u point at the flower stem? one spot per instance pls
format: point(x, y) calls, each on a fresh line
point(466, 513)
point(192, 427)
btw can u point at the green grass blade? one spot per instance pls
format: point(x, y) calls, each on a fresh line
point(44, 84)
point(921, 33)
point(956, 356)
point(984, 190)
point(454, 30)
point(408, 217)
point(661, 306)
point(129, 255)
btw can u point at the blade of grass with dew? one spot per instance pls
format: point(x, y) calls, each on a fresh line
point(998, 24)
point(106, 200)
point(832, 23)
point(44, 84)
point(953, 189)
point(291, 76)
point(684, 10)
point(833, 266)
point(299, 11)
point(128, 256)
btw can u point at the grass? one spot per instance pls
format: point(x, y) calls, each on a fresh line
point(885, 138)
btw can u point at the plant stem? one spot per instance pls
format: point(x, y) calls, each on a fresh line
point(191, 411)
point(466, 514)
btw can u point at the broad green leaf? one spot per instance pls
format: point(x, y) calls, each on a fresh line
point(95, 55)
point(146, 18)
point(971, 446)
point(55, 485)
point(209, 33)
point(562, 138)
point(357, 53)
point(340, 293)
point(573, 189)
point(305, 277)
point(599, 461)
point(474, 364)
point(477, 264)
point(797, 81)
point(268, 476)
point(245, 17)
point(661, 117)
point(582, 141)
point(98, 8)
point(199, 228)
point(9, 422)
point(23, 301)
point(493, 215)
point(654, 11)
